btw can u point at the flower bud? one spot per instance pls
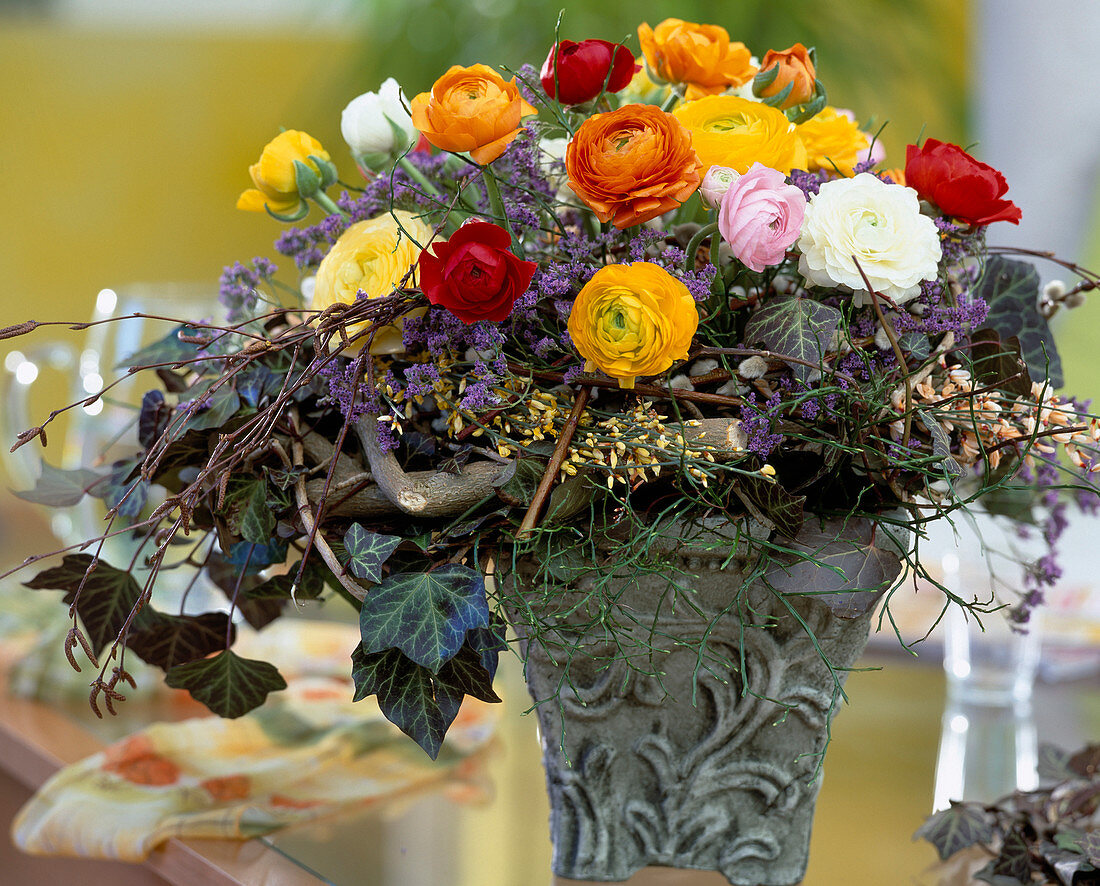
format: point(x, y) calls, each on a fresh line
point(376, 123)
point(786, 77)
point(715, 184)
point(574, 73)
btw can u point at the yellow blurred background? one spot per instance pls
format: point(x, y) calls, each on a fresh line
point(126, 131)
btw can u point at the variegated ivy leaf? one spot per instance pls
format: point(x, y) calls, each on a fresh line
point(956, 828)
point(424, 614)
point(367, 551)
point(795, 327)
point(226, 683)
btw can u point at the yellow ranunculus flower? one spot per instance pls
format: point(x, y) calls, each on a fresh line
point(632, 320)
point(833, 141)
point(372, 256)
point(737, 132)
point(274, 176)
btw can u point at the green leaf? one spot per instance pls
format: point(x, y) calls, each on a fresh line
point(105, 601)
point(956, 828)
point(422, 704)
point(153, 418)
point(846, 564)
point(247, 512)
point(1053, 764)
point(59, 489)
point(569, 498)
point(123, 488)
point(999, 364)
point(425, 615)
point(795, 327)
point(770, 503)
point(367, 551)
point(1090, 846)
point(210, 411)
point(169, 640)
point(226, 683)
point(516, 485)
point(1014, 860)
point(166, 350)
point(1011, 289)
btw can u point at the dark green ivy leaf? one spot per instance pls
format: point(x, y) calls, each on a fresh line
point(569, 498)
point(424, 614)
point(517, 483)
point(123, 488)
point(167, 350)
point(422, 704)
point(105, 601)
point(210, 411)
point(846, 564)
point(226, 683)
point(247, 512)
point(1014, 860)
point(59, 489)
point(956, 828)
point(153, 418)
point(795, 327)
point(169, 640)
point(367, 551)
point(1011, 289)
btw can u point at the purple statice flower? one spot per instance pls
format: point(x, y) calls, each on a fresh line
point(523, 187)
point(757, 421)
point(808, 182)
point(307, 246)
point(478, 396)
point(347, 388)
point(810, 408)
point(420, 379)
point(238, 284)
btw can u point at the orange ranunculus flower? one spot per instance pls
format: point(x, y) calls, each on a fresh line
point(372, 257)
point(833, 142)
point(700, 56)
point(471, 109)
point(632, 164)
point(796, 68)
point(737, 132)
point(632, 320)
point(274, 175)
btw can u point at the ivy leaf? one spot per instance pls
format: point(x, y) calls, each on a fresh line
point(257, 383)
point(988, 874)
point(255, 557)
point(169, 640)
point(420, 703)
point(517, 483)
point(998, 363)
point(278, 587)
point(1090, 846)
point(208, 411)
point(1014, 859)
point(846, 564)
point(770, 503)
point(941, 444)
point(123, 488)
point(153, 418)
point(956, 828)
point(1053, 763)
point(226, 683)
point(1011, 289)
point(367, 551)
point(795, 327)
point(166, 350)
point(105, 601)
point(247, 512)
point(57, 488)
point(425, 615)
point(227, 576)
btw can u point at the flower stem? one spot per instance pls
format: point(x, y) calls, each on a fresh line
point(697, 241)
point(325, 202)
point(496, 204)
point(417, 176)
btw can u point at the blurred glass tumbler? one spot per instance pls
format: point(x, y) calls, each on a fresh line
point(989, 663)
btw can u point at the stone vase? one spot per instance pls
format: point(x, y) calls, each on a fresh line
point(658, 755)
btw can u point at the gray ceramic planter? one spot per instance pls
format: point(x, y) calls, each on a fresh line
point(639, 775)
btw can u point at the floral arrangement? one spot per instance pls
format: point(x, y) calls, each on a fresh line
point(570, 314)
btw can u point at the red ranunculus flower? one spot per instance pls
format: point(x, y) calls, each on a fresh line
point(964, 188)
point(475, 275)
point(582, 70)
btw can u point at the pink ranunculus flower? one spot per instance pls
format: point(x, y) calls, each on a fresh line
point(760, 216)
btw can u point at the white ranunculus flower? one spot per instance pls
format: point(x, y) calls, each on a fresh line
point(881, 226)
point(377, 122)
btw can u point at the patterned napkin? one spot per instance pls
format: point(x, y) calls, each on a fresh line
point(308, 752)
